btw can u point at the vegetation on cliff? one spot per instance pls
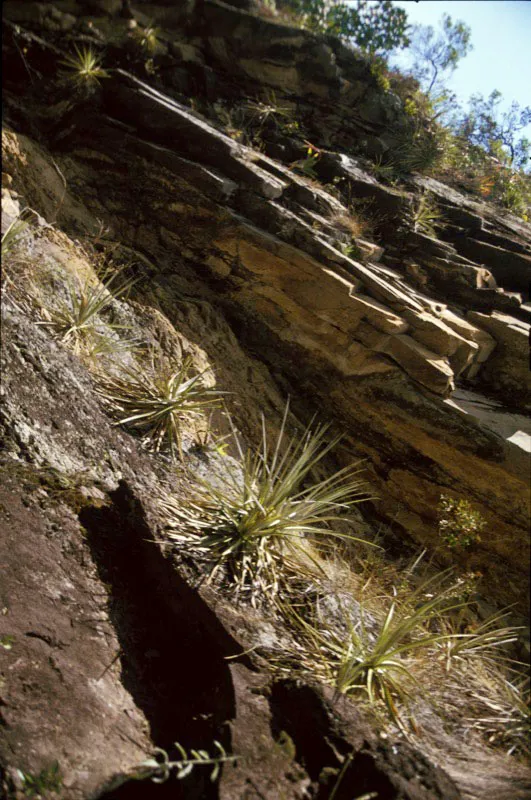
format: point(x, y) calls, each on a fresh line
point(207, 259)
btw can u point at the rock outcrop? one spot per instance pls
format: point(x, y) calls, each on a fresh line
point(245, 264)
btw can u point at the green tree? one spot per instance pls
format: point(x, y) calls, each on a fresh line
point(375, 27)
point(437, 53)
point(496, 132)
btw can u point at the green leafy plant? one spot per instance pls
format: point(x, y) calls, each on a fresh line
point(157, 404)
point(160, 766)
point(76, 318)
point(48, 780)
point(436, 54)
point(256, 523)
point(83, 68)
point(460, 525)
point(307, 165)
point(426, 216)
point(384, 169)
point(355, 658)
point(378, 26)
point(7, 641)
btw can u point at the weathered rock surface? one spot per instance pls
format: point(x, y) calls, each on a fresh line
point(245, 268)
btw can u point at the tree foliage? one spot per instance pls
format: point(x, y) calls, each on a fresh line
point(437, 53)
point(375, 27)
point(497, 133)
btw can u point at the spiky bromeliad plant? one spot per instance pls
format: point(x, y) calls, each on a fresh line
point(354, 657)
point(76, 319)
point(157, 404)
point(12, 234)
point(257, 524)
point(83, 68)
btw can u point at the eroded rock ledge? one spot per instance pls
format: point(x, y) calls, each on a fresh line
point(415, 347)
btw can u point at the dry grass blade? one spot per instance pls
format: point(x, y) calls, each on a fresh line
point(258, 523)
point(506, 719)
point(157, 405)
point(487, 639)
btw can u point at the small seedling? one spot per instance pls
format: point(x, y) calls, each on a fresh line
point(160, 767)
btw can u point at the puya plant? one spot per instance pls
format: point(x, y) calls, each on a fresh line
point(12, 234)
point(504, 718)
point(157, 403)
point(354, 657)
point(146, 38)
point(426, 216)
point(256, 524)
point(83, 69)
point(268, 112)
point(77, 318)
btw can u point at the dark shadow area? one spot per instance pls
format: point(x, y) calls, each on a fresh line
point(302, 714)
point(172, 645)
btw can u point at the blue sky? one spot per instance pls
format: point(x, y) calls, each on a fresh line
point(501, 37)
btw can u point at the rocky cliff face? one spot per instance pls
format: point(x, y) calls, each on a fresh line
point(414, 346)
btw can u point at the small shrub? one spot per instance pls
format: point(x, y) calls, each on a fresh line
point(157, 405)
point(256, 525)
point(459, 524)
point(379, 27)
